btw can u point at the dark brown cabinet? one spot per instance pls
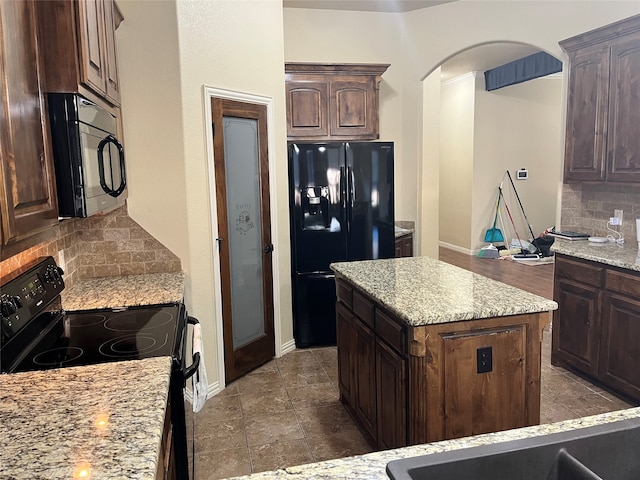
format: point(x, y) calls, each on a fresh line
point(576, 322)
point(332, 101)
point(409, 385)
point(27, 183)
point(79, 44)
point(167, 459)
point(596, 326)
point(404, 246)
point(603, 105)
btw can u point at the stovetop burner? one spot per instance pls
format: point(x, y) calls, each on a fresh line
point(83, 338)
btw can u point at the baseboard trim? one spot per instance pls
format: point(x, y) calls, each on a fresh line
point(289, 346)
point(456, 248)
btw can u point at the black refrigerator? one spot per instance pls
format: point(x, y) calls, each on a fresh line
point(341, 209)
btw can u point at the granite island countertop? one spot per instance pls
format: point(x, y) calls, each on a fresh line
point(124, 291)
point(106, 420)
point(425, 291)
point(618, 255)
point(372, 466)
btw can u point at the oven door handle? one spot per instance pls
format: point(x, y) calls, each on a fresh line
point(191, 369)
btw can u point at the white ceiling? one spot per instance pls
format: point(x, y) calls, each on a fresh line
point(476, 59)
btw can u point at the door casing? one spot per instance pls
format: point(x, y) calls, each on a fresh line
point(208, 94)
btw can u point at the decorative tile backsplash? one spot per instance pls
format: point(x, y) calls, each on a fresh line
point(587, 208)
point(100, 246)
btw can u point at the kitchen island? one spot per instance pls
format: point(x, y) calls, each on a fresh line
point(101, 421)
point(428, 351)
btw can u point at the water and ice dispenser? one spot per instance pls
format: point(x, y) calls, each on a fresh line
point(315, 206)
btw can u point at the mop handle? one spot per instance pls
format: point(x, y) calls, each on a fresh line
point(511, 218)
point(521, 207)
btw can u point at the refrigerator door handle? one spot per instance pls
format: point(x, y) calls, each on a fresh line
point(352, 186)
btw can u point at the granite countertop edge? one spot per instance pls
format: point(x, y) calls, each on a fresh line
point(124, 291)
point(105, 419)
point(424, 291)
point(617, 255)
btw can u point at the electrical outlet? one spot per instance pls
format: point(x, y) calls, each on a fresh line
point(618, 215)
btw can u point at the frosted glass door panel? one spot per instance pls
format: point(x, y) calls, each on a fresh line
point(243, 212)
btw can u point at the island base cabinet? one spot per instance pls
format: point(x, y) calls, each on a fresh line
point(477, 381)
point(410, 385)
point(391, 397)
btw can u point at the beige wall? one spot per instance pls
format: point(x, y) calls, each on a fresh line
point(457, 161)
point(519, 126)
point(169, 52)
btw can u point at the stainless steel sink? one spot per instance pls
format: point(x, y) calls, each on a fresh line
point(609, 452)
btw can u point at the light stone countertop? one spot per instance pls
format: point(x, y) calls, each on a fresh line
point(124, 291)
point(401, 232)
point(425, 291)
point(372, 466)
point(618, 255)
point(106, 419)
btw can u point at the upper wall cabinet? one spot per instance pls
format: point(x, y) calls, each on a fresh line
point(27, 186)
point(78, 42)
point(332, 101)
point(603, 106)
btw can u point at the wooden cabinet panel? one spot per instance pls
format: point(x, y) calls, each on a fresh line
point(596, 327)
point(476, 402)
point(391, 397)
point(27, 185)
point(624, 112)
point(78, 39)
point(620, 359)
point(404, 246)
point(363, 308)
point(344, 341)
point(307, 109)
point(391, 331)
point(604, 104)
point(587, 103)
point(576, 325)
point(328, 102)
point(365, 377)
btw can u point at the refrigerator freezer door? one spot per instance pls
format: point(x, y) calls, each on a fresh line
point(370, 208)
point(318, 230)
point(314, 308)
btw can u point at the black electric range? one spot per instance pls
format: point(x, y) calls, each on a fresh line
point(36, 334)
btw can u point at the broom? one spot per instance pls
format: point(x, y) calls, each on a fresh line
point(490, 251)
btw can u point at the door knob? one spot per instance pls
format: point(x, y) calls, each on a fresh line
point(268, 248)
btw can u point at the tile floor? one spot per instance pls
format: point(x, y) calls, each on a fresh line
point(288, 412)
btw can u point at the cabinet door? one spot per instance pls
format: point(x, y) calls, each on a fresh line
point(27, 186)
point(353, 109)
point(620, 348)
point(307, 106)
point(391, 397)
point(112, 82)
point(576, 325)
point(587, 115)
point(345, 342)
point(476, 401)
point(92, 44)
point(365, 376)
point(623, 141)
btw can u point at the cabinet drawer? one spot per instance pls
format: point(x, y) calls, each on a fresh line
point(625, 283)
point(344, 292)
point(363, 308)
point(584, 272)
point(391, 331)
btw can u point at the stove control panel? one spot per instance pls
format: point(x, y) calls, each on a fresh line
point(26, 293)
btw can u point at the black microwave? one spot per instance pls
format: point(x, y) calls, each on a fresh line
point(88, 157)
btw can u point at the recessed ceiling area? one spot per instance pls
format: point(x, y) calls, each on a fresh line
point(397, 6)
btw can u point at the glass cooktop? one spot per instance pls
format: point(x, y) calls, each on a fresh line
point(90, 337)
